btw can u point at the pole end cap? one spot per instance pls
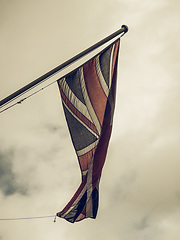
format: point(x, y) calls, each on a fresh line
point(125, 28)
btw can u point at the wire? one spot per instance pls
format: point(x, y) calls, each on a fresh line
point(27, 218)
point(39, 84)
point(23, 99)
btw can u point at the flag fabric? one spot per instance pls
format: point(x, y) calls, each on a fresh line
point(88, 97)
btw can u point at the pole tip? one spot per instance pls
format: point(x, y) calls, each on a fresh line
point(125, 28)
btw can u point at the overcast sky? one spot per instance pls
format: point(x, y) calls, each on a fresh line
point(39, 172)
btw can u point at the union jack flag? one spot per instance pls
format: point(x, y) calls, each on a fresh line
point(88, 97)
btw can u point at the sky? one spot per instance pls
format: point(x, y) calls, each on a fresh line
point(39, 172)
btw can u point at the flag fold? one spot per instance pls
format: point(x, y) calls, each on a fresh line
point(88, 98)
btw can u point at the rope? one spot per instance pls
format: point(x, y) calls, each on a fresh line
point(27, 218)
point(23, 99)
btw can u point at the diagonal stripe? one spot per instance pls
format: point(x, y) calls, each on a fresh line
point(77, 113)
point(75, 202)
point(89, 207)
point(112, 94)
point(89, 129)
point(85, 160)
point(87, 149)
point(96, 94)
point(101, 78)
point(110, 66)
point(87, 187)
point(73, 99)
point(88, 102)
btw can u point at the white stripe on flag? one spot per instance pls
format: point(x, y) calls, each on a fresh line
point(88, 148)
point(74, 115)
point(101, 78)
point(88, 102)
point(73, 99)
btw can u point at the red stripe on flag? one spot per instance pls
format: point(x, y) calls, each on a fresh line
point(78, 192)
point(77, 113)
point(85, 160)
point(101, 151)
point(115, 57)
point(95, 91)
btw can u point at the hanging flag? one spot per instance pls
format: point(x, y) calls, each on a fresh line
point(88, 97)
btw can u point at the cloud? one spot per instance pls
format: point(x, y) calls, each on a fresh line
point(9, 184)
point(139, 189)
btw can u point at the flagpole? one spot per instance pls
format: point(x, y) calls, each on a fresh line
point(37, 81)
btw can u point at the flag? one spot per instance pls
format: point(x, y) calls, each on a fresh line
point(88, 98)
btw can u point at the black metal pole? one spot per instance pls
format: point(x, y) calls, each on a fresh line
point(22, 90)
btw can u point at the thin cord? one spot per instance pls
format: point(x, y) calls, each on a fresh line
point(31, 89)
point(27, 218)
point(40, 83)
point(20, 101)
point(36, 86)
